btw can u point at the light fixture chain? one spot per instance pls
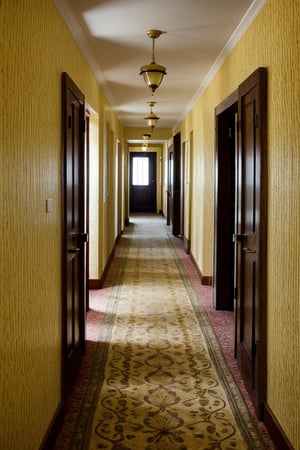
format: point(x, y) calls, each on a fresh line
point(153, 47)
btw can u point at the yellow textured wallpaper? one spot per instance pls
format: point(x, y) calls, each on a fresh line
point(35, 48)
point(30, 258)
point(272, 41)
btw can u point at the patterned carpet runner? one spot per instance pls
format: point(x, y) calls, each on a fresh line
point(159, 379)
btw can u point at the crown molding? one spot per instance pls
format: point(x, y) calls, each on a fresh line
point(73, 25)
point(249, 17)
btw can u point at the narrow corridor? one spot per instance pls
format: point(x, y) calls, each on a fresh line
point(154, 374)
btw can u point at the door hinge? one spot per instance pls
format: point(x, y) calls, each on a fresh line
point(230, 132)
point(256, 120)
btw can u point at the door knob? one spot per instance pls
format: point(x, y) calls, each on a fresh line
point(238, 237)
point(73, 250)
point(248, 250)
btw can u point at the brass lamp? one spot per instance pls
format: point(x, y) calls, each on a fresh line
point(145, 143)
point(153, 73)
point(151, 119)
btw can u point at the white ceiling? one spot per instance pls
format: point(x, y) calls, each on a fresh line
point(112, 34)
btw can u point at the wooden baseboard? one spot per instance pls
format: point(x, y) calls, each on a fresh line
point(205, 280)
point(98, 283)
point(95, 284)
point(53, 429)
point(277, 434)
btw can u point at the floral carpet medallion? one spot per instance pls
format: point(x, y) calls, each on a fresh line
point(159, 380)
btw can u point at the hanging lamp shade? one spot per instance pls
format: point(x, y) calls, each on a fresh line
point(153, 73)
point(146, 138)
point(151, 119)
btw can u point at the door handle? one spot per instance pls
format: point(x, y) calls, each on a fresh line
point(248, 250)
point(73, 250)
point(238, 237)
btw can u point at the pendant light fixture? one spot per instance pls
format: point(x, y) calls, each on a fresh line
point(153, 73)
point(146, 138)
point(151, 119)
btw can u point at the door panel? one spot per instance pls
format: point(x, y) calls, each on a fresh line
point(170, 186)
point(87, 206)
point(251, 236)
point(176, 219)
point(74, 236)
point(224, 220)
point(186, 195)
point(143, 182)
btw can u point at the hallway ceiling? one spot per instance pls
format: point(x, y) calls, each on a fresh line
point(112, 35)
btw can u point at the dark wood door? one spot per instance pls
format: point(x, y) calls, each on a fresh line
point(170, 187)
point(225, 186)
point(87, 206)
point(182, 187)
point(251, 236)
point(74, 235)
point(143, 182)
point(176, 213)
